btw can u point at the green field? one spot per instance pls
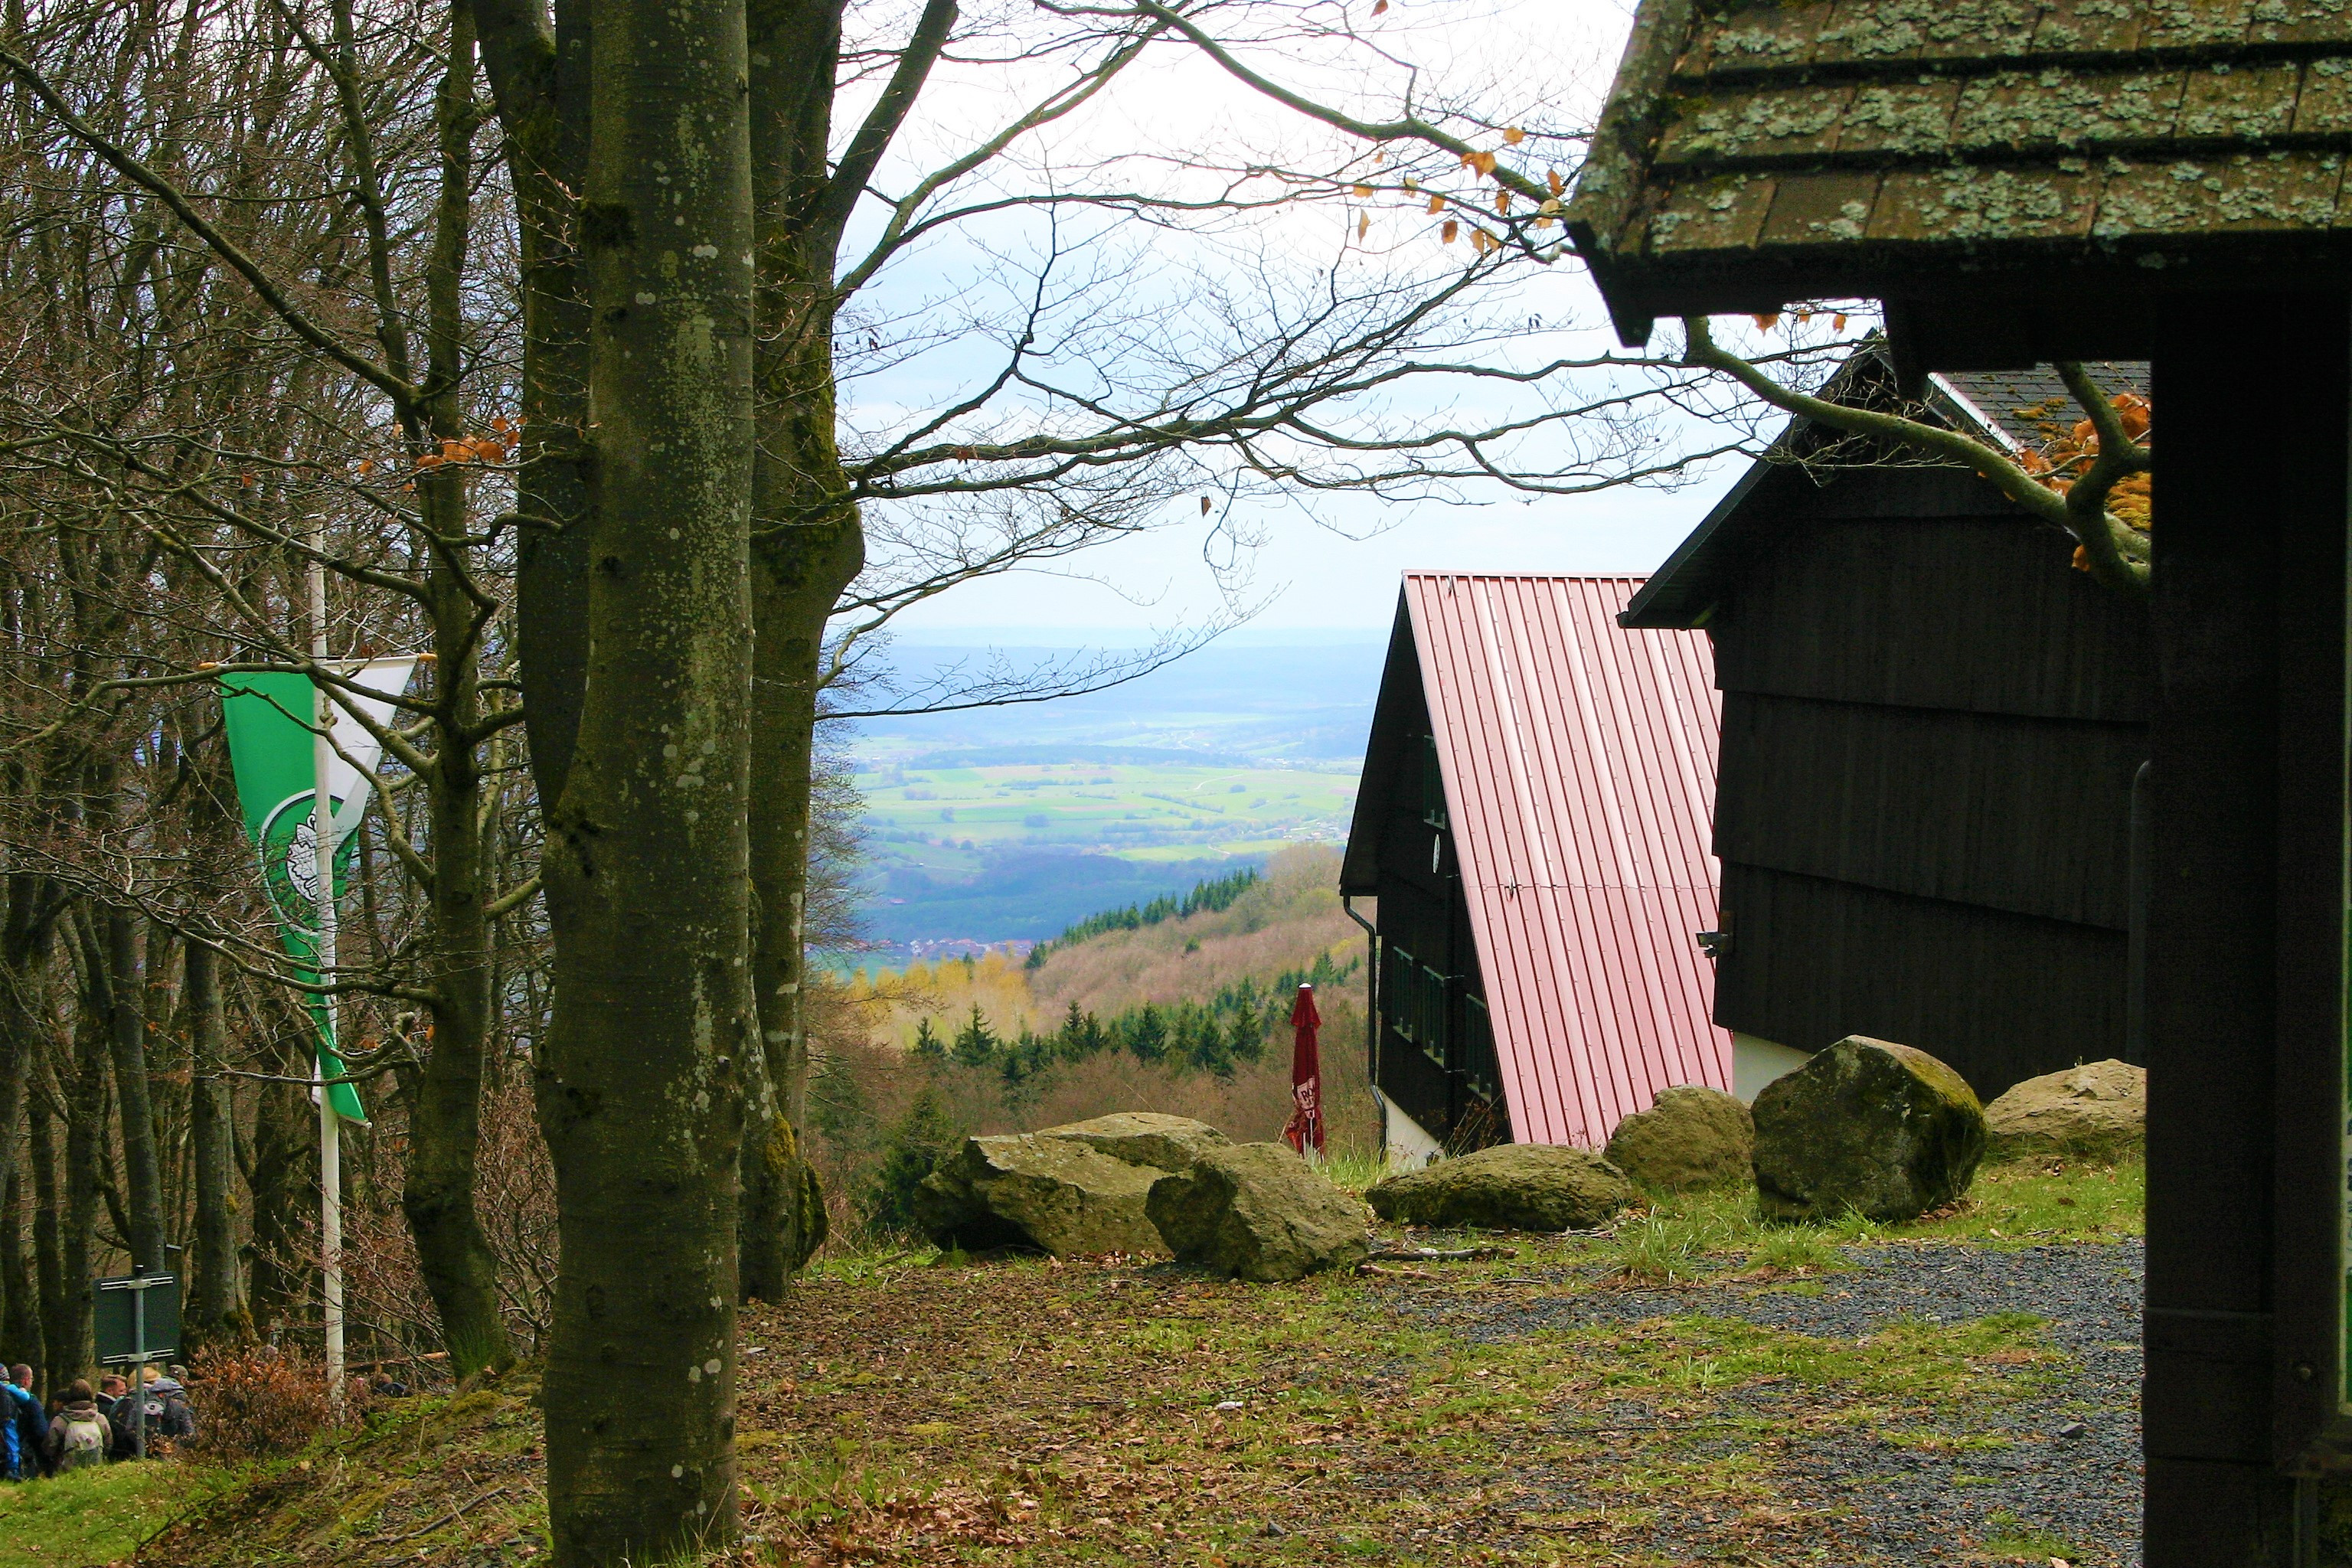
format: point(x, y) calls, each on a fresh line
point(1162, 811)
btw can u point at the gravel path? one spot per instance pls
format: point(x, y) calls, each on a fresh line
point(2071, 1466)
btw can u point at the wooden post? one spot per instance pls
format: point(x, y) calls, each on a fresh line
point(2245, 921)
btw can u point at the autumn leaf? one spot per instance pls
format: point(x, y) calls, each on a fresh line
point(1766, 319)
point(1379, 7)
point(1558, 186)
point(1205, 505)
point(1363, 190)
point(1482, 162)
point(1436, 203)
point(1503, 203)
point(1450, 231)
point(368, 466)
point(1363, 224)
point(1837, 322)
point(1515, 136)
point(1411, 184)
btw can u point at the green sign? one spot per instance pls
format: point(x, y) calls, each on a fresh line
point(137, 1319)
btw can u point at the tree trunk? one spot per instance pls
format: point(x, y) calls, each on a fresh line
point(444, 1100)
point(284, 1183)
point(806, 547)
point(48, 1257)
point(22, 1326)
point(646, 860)
point(126, 1039)
point(215, 1295)
point(85, 1131)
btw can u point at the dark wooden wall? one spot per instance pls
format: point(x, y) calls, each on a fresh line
point(1930, 726)
point(1422, 912)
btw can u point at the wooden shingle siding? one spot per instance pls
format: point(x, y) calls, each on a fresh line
point(1885, 604)
point(2028, 815)
point(2002, 997)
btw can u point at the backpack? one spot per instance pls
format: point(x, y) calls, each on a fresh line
point(85, 1440)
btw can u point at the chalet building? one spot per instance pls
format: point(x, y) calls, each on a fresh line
point(1534, 822)
point(1931, 726)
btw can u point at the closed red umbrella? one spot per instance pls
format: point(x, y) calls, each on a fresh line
point(1305, 1123)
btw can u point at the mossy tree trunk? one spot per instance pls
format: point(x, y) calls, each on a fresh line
point(647, 861)
point(807, 546)
point(444, 1095)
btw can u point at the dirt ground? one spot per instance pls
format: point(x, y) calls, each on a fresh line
point(1690, 1386)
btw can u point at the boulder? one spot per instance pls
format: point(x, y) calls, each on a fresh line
point(1145, 1137)
point(1692, 1137)
point(1866, 1127)
point(2099, 1111)
point(1259, 1212)
point(1511, 1186)
point(1073, 1190)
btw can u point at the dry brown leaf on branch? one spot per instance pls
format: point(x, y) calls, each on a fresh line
point(1363, 224)
point(1450, 231)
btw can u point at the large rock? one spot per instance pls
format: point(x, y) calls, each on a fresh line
point(1693, 1137)
point(1259, 1212)
point(2099, 1111)
point(1073, 1190)
point(1512, 1186)
point(1145, 1137)
point(1866, 1127)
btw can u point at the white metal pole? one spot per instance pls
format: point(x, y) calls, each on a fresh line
point(323, 872)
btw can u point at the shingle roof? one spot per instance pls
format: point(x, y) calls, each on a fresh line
point(1578, 763)
point(1753, 154)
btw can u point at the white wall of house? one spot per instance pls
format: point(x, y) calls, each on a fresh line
point(1410, 1145)
point(1755, 1062)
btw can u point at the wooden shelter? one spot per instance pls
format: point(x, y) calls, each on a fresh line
point(2054, 179)
point(1931, 726)
point(1534, 821)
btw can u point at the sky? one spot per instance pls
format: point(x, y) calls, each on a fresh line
point(1335, 571)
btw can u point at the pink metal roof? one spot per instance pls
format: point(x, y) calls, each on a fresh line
point(1579, 782)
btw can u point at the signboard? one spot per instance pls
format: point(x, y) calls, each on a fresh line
point(140, 1307)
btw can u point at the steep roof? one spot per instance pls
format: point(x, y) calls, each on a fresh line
point(1579, 763)
point(1754, 154)
point(2010, 408)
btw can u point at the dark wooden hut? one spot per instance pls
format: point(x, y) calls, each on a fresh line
point(2024, 183)
point(1930, 731)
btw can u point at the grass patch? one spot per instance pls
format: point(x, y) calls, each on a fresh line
point(2011, 1539)
point(89, 1517)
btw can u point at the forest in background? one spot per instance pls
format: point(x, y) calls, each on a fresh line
point(1187, 1015)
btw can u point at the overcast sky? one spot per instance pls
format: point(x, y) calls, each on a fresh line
point(1525, 56)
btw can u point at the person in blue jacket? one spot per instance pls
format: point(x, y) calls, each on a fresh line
point(31, 1424)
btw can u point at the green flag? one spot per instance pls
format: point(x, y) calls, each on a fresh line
point(270, 748)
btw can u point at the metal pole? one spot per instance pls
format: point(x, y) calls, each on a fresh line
point(323, 864)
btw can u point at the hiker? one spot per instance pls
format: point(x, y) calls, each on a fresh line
point(79, 1437)
point(113, 1401)
point(30, 1422)
point(169, 1414)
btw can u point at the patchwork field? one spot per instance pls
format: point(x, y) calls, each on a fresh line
point(1020, 849)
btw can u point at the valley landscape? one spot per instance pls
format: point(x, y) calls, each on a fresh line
point(1008, 824)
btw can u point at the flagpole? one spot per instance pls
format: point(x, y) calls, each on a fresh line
point(323, 873)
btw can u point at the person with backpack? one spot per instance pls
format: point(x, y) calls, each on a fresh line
point(113, 1401)
point(28, 1421)
point(79, 1437)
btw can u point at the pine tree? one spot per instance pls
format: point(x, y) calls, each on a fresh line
point(975, 1044)
point(912, 1149)
point(927, 1041)
point(1146, 1034)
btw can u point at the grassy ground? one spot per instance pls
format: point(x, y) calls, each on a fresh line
point(907, 1410)
point(1142, 809)
point(97, 1516)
